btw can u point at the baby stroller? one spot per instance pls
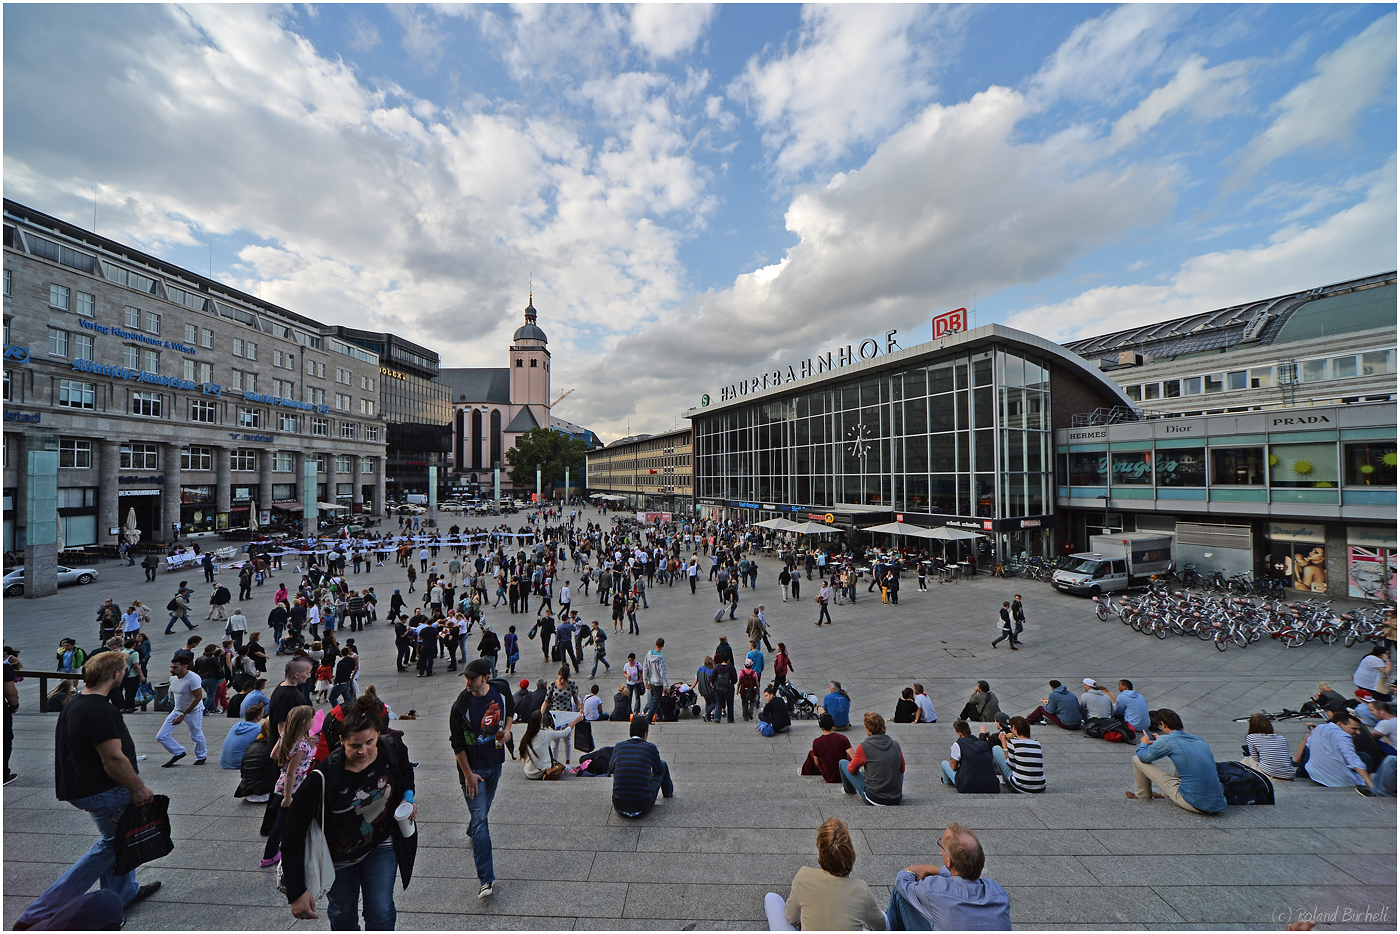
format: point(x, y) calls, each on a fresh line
point(679, 697)
point(292, 640)
point(801, 705)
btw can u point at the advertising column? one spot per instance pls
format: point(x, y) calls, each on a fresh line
point(1371, 561)
point(309, 510)
point(223, 492)
point(1298, 555)
point(41, 513)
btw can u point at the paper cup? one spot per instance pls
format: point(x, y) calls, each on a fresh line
point(403, 814)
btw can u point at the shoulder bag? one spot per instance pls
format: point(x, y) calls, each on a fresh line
point(318, 866)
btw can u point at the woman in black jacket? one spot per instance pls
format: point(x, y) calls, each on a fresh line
point(489, 647)
point(354, 794)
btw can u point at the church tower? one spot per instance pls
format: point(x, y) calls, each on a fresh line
point(529, 377)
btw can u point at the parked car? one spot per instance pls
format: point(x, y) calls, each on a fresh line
point(14, 581)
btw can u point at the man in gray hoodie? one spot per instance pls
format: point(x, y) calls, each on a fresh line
point(882, 783)
point(1094, 703)
point(1060, 708)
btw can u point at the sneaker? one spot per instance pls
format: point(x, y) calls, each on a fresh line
point(146, 891)
point(11, 778)
point(174, 759)
point(486, 889)
point(201, 760)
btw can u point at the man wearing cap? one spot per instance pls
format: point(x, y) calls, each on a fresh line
point(479, 731)
point(1094, 703)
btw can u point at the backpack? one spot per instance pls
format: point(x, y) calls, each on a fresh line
point(1100, 727)
point(173, 605)
point(722, 683)
point(1119, 732)
point(1243, 785)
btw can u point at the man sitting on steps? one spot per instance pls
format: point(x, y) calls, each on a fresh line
point(950, 897)
point(882, 784)
point(638, 772)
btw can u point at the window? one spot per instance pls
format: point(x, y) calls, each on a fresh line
point(188, 368)
point(534, 363)
point(1132, 468)
point(321, 465)
point(1181, 466)
point(196, 458)
point(1171, 388)
point(371, 433)
point(82, 346)
point(1237, 466)
point(5, 386)
point(87, 304)
point(1191, 386)
point(76, 395)
point(1344, 367)
point(1239, 379)
point(520, 363)
point(7, 282)
point(243, 459)
point(1376, 362)
point(284, 388)
point(315, 396)
point(1133, 392)
point(1215, 383)
point(58, 343)
point(131, 357)
point(203, 411)
point(321, 427)
point(76, 497)
point(342, 463)
point(138, 456)
point(347, 430)
point(191, 334)
point(281, 491)
point(1086, 468)
point(366, 407)
point(1369, 464)
point(59, 297)
point(250, 350)
point(249, 418)
point(206, 338)
point(132, 317)
point(146, 403)
point(367, 383)
point(1311, 371)
point(281, 463)
point(342, 375)
point(286, 422)
point(366, 465)
point(342, 402)
point(152, 322)
point(74, 453)
point(1303, 465)
point(1261, 377)
point(316, 368)
point(150, 361)
point(238, 346)
point(247, 382)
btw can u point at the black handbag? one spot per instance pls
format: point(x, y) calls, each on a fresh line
point(143, 834)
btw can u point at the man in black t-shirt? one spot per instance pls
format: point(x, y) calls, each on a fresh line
point(479, 731)
point(95, 771)
point(344, 678)
point(289, 693)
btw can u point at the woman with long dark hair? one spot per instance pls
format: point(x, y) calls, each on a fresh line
point(541, 745)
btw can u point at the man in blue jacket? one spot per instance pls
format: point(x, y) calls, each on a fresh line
point(950, 897)
point(1129, 706)
point(1196, 784)
point(838, 704)
point(1060, 708)
point(638, 773)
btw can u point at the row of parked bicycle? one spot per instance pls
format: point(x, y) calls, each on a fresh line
point(1228, 619)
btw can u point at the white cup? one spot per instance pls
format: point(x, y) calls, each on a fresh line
point(403, 814)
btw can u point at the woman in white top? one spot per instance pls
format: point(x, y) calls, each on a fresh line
point(1373, 674)
point(1266, 751)
point(540, 747)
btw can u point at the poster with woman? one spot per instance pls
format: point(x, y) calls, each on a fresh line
point(1298, 555)
point(1371, 573)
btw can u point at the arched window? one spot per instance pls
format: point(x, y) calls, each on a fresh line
point(476, 440)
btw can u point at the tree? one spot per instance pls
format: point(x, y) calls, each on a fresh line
point(551, 450)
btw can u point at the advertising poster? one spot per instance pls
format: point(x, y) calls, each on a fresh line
point(1371, 573)
point(1303, 565)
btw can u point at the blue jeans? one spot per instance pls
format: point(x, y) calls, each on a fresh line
point(947, 773)
point(596, 660)
point(904, 916)
point(93, 866)
point(345, 690)
point(478, 829)
point(372, 877)
point(999, 757)
point(654, 702)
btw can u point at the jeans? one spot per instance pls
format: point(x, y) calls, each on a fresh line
point(947, 773)
point(654, 701)
point(405, 655)
point(999, 757)
point(637, 691)
point(372, 877)
point(902, 916)
point(851, 784)
point(211, 687)
point(478, 829)
point(182, 616)
point(344, 690)
point(1383, 780)
point(596, 660)
point(195, 721)
point(93, 866)
point(724, 701)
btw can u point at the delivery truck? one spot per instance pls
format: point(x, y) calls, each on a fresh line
point(1115, 562)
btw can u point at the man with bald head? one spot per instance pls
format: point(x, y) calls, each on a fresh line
point(950, 897)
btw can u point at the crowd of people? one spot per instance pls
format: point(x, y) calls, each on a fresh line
point(347, 766)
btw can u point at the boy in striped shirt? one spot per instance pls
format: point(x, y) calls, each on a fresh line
point(1020, 759)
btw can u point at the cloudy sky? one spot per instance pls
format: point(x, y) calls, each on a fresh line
point(700, 192)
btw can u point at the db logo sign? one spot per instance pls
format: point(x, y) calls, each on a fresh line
point(950, 322)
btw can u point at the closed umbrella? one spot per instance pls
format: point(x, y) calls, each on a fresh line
point(130, 532)
point(58, 533)
point(253, 517)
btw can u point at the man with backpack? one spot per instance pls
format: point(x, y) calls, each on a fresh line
point(748, 689)
point(1196, 784)
point(723, 683)
point(179, 608)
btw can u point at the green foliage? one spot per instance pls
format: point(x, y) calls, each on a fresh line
point(551, 450)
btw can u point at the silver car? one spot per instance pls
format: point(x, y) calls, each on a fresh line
point(14, 581)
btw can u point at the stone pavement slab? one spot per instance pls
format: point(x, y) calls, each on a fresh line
point(1079, 857)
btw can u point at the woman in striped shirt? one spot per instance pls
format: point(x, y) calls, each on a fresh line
point(1266, 751)
point(1020, 759)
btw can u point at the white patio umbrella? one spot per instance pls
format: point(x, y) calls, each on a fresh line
point(130, 532)
point(253, 516)
point(778, 524)
point(814, 528)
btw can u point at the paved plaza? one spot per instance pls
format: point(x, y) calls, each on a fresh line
point(743, 820)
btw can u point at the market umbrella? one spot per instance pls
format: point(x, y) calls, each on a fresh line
point(253, 516)
point(130, 532)
point(58, 533)
point(905, 528)
point(814, 528)
point(778, 525)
